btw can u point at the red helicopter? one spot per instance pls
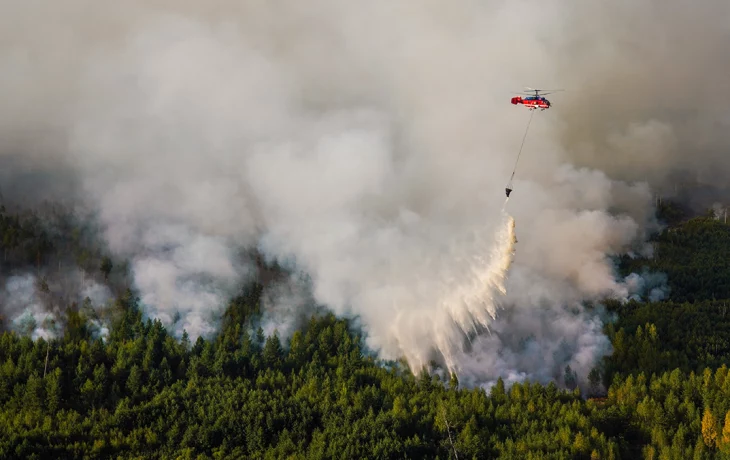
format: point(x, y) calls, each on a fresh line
point(536, 101)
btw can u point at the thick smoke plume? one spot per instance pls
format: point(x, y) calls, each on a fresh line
point(368, 146)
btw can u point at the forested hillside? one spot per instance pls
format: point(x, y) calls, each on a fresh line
point(141, 393)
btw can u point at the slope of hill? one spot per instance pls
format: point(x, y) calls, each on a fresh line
point(142, 393)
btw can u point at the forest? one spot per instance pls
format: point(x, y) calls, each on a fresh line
point(138, 392)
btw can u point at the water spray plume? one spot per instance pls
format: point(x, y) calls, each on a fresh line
point(470, 304)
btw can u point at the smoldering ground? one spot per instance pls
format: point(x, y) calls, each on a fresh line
point(369, 146)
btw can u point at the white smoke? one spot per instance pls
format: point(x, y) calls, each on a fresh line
point(536, 342)
point(647, 285)
point(186, 278)
point(35, 305)
point(284, 304)
point(20, 296)
point(369, 144)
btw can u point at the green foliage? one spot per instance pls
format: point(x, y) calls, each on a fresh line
point(671, 213)
point(143, 393)
point(23, 239)
point(52, 236)
point(664, 391)
point(696, 258)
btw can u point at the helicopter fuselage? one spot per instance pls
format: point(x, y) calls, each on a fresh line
point(532, 102)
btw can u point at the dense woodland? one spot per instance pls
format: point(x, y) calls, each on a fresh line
point(141, 393)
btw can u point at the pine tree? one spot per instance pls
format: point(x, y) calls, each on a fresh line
point(134, 381)
point(570, 378)
point(725, 436)
point(53, 390)
point(594, 378)
point(273, 351)
point(709, 428)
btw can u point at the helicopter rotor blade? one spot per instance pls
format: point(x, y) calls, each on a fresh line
point(542, 90)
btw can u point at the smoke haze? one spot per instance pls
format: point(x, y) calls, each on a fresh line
point(368, 146)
